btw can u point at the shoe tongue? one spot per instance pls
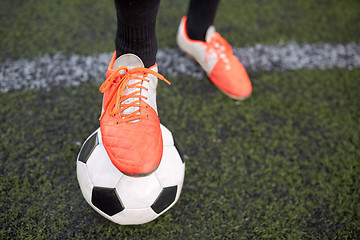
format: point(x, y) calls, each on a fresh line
point(209, 33)
point(129, 60)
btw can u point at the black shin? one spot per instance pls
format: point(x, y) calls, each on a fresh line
point(201, 15)
point(135, 33)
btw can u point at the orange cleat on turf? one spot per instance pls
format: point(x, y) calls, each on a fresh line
point(215, 56)
point(129, 123)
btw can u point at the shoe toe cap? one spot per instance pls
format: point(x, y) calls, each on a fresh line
point(133, 150)
point(232, 79)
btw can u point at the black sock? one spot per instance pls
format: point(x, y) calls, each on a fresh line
point(135, 33)
point(200, 17)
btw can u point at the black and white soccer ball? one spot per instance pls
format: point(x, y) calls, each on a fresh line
point(124, 199)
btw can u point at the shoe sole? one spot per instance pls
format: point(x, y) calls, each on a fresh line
point(141, 174)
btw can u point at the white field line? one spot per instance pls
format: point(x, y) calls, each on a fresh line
point(60, 70)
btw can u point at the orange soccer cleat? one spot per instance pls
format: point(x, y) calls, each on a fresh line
point(215, 56)
point(129, 122)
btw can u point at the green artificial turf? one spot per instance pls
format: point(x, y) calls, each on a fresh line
point(38, 27)
point(282, 164)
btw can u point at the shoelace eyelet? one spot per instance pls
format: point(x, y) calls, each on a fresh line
point(120, 81)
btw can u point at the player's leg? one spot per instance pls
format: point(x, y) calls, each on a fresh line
point(200, 18)
point(135, 33)
point(198, 38)
point(129, 123)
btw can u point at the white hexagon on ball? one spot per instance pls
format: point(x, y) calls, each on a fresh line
point(101, 170)
point(138, 192)
point(168, 171)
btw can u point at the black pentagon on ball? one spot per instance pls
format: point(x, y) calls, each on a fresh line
point(107, 200)
point(165, 199)
point(88, 148)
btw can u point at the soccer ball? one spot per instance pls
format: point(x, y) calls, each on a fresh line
point(124, 199)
